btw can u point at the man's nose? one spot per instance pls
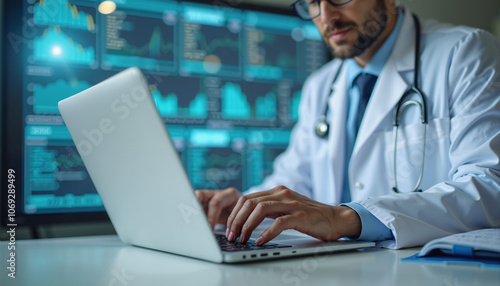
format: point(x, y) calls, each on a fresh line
point(328, 12)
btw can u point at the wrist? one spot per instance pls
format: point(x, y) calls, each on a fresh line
point(347, 222)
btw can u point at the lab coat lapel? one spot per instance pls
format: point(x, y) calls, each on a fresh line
point(338, 107)
point(390, 85)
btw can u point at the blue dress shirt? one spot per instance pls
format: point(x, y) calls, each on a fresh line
point(372, 229)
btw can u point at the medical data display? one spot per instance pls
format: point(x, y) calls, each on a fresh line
point(225, 80)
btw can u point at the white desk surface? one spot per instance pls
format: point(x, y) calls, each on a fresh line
point(104, 260)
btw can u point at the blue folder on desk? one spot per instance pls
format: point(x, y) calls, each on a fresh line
point(450, 259)
point(479, 247)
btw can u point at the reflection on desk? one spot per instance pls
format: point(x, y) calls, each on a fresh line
point(104, 260)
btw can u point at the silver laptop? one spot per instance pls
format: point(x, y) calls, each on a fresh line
point(138, 174)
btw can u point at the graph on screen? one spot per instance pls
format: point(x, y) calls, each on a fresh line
point(64, 14)
point(168, 105)
point(294, 106)
point(56, 46)
point(46, 97)
point(235, 104)
point(133, 40)
point(211, 41)
point(263, 148)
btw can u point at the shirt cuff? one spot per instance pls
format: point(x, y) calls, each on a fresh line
point(372, 229)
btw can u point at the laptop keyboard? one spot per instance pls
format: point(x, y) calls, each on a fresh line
point(227, 245)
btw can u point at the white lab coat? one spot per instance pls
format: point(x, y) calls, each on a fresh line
point(460, 77)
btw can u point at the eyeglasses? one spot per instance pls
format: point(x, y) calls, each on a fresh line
point(310, 9)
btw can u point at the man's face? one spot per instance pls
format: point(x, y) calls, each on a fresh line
point(351, 29)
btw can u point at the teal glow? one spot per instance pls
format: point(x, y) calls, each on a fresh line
point(210, 138)
point(45, 98)
point(311, 32)
point(71, 51)
point(203, 16)
point(294, 106)
point(272, 21)
point(234, 102)
point(66, 15)
point(265, 72)
point(168, 105)
point(66, 201)
point(265, 106)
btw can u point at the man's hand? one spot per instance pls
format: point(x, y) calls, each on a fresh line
point(290, 210)
point(218, 204)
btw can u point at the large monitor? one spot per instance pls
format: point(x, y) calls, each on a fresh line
point(226, 79)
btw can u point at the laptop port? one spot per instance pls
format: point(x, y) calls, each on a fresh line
point(254, 255)
point(276, 253)
point(263, 254)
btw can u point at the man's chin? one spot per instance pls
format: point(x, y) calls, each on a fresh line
point(343, 51)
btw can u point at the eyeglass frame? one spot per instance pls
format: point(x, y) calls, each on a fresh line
point(303, 17)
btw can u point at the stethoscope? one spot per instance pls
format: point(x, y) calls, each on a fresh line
point(321, 127)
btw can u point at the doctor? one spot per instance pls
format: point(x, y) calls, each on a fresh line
point(347, 174)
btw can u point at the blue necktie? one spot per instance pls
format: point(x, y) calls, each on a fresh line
point(357, 106)
point(365, 83)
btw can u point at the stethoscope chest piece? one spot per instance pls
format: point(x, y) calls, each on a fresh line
point(321, 127)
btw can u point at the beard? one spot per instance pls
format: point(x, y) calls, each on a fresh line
point(373, 26)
